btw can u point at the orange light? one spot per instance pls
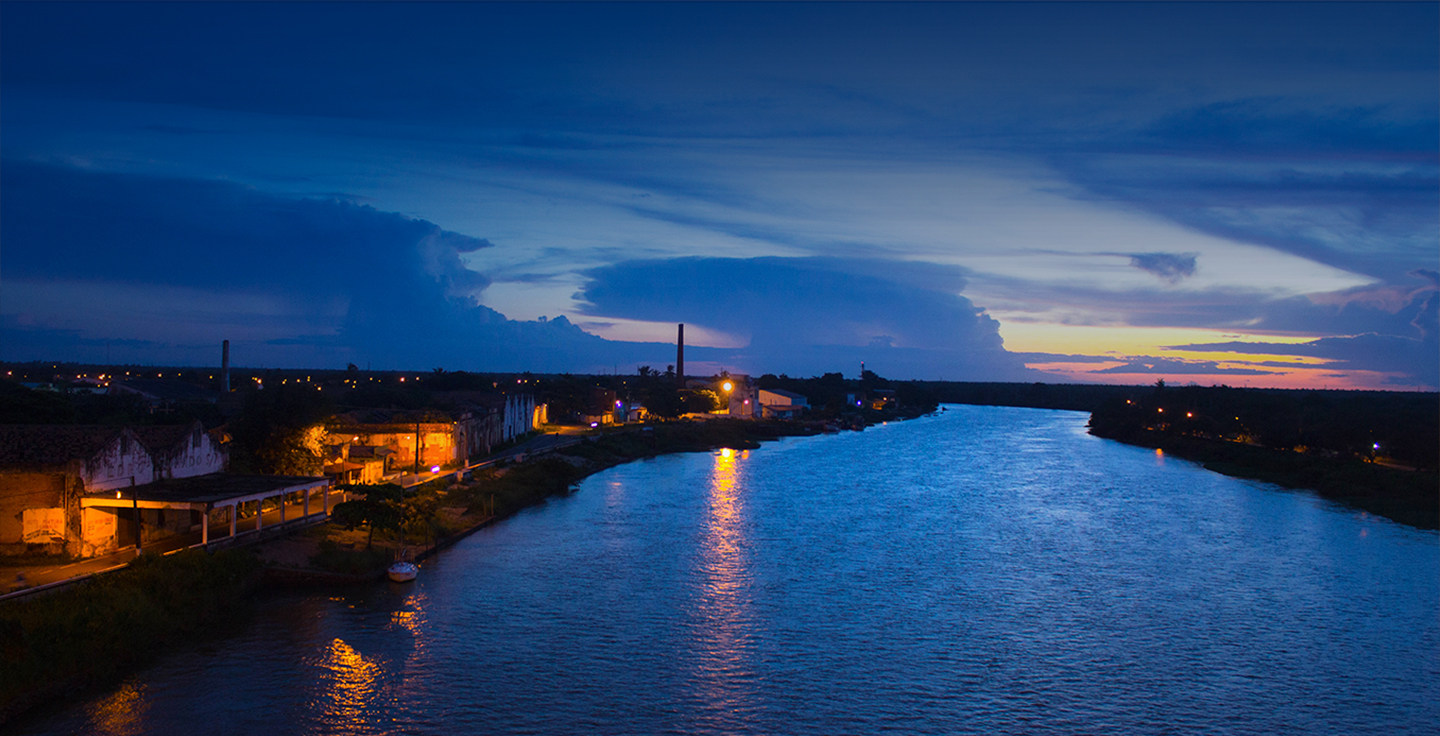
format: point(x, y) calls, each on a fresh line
point(1162, 411)
point(727, 386)
point(1188, 415)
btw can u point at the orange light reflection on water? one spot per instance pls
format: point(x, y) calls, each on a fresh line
point(722, 608)
point(121, 714)
point(351, 681)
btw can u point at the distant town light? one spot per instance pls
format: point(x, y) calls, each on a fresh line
point(1188, 415)
point(1161, 410)
point(434, 468)
point(1377, 445)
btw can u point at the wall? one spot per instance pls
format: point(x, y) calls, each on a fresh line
point(437, 441)
point(21, 491)
point(122, 464)
point(192, 458)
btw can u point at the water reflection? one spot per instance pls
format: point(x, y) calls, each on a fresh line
point(122, 713)
point(722, 609)
point(350, 682)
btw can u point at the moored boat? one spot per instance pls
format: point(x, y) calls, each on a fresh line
point(402, 572)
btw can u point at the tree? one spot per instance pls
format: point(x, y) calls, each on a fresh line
point(381, 508)
point(701, 401)
point(279, 431)
point(664, 401)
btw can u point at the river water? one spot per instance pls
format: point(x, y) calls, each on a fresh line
point(984, 570)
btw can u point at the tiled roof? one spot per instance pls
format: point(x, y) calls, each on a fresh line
point(161, 439)
point(50, 445)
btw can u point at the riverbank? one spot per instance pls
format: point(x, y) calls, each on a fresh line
point(60, 644)
point(1405, 496)
point(331, 555)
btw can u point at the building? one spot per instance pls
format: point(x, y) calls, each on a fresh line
point(181, 451)
point(50, 473)
point(407, 442)
point(743, 399)
point(781, 404)
point(349, 464)
point(477, 423)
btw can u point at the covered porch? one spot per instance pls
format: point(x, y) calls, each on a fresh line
point(227, 507)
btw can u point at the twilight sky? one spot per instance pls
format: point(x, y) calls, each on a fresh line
point(1215, 192)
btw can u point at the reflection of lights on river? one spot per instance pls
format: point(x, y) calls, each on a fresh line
point(351, 685)
point(122, 713)
point(721, 608)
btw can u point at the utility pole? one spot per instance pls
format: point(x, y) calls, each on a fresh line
point(135, 501)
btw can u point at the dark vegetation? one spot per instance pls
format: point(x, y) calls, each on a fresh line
point(1377, 451)
point(1401, 427)
point(100, 629)
point(271, 434)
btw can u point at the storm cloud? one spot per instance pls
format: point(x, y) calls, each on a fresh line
point(1169, 266)
point(310, 282)
point(815, 314)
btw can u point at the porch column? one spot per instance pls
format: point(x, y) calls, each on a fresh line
point(205, 526)
point(282, 507)
point(308, 491)
point(232, 519)
point(325, 499)
point(259, 514)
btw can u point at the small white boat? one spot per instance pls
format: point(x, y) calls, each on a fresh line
point(402, 572)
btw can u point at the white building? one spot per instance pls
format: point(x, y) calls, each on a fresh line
point(776, 402)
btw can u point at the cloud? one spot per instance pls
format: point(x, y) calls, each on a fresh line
point(1352, 187)
point(233, 260)
point(66, 223)
point(1169, 366)
point(212, 260)
point(815, 314)
point(1413, 360)
point(1169, 266)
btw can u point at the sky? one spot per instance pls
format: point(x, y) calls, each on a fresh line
point(1218, 193)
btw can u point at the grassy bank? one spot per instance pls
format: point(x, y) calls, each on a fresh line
point(102, 628)
point(1409, 497)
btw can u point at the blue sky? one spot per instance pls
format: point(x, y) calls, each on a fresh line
point(1218, 192)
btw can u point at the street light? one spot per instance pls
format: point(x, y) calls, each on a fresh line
point(727, 386)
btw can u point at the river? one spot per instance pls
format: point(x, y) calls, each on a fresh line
point(982, 570)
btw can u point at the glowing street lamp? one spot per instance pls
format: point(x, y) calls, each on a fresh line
point(728, 386)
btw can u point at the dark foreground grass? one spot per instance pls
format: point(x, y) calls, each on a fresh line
point(112, 623)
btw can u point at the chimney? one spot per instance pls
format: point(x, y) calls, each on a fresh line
point(680, 357)
point(225, 367)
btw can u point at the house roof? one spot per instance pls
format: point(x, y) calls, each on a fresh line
point(216, 488)
point(51, 445)
point(787, 394)
point(163, 438)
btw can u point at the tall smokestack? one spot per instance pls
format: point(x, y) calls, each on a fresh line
point(680, 357)
point(225, 367)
